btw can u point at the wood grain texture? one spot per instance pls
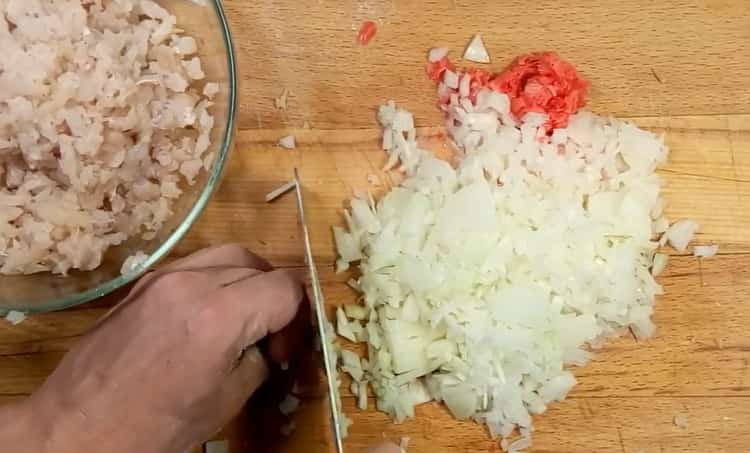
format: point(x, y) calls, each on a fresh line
point(679, 67)
point(696, 48)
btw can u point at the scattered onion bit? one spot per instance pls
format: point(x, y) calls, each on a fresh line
point(437, 53)
point(705, 251)
point(681, 421)
point(367, 32)
point(680, 234)
point(15, 317)
point(288, 142)
point(288, 429)
point(280, 103)
point(216, 446)
point(133, 262)
point(281, 190)
point(476, 51)
point(289, 405)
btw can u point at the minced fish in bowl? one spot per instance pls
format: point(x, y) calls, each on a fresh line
point(105, 118)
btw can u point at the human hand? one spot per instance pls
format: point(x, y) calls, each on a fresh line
point(174, 361)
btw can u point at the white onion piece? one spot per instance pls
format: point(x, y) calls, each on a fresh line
point(362, 396)
point(133, 262)
point(281, 190)
point(450, 79)
point(288, 142)
point(216, 446)
point(660, 263)
point(679, 234)
point(476, 51)
point(660, 225)
point(464, 85)
point(15, 317)
point(681, 421)
point(437, 54)
point(519, 445)
point(705, 251)
point(281, 102)
point(287, 429)
point(358, 312)
point(346, 244)
point(350, 363)
point(344, 424)
point(211, 89)
point(353, 284)
point(343, 328)
point(289, 405)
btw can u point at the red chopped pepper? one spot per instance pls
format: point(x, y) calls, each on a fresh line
point(538, 82)
point(478, 79)
point(367, 32)
point(543, 83)
point(436, 69)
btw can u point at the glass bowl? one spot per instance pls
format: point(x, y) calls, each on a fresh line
point(47, 292)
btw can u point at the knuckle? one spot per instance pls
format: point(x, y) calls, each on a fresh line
point(234, 250)
point(240, 255)
point(286, 278)
point(177, 282)
point(205, 320)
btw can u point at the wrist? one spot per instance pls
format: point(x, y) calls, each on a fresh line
point(40, 425)
point(53, 425)
point(19, 428)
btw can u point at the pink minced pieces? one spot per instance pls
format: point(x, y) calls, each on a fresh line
point(543, 83)
point(535, 83)
point(104, 120)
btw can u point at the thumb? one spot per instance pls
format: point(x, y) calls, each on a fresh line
point(386, 447)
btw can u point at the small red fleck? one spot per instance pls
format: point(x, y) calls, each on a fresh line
point(367, 32)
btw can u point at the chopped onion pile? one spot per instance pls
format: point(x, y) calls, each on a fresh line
point(482, 282)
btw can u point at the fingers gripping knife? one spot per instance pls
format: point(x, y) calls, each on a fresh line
point(329, 358)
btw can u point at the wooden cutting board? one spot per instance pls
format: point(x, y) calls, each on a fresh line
point(680, 67)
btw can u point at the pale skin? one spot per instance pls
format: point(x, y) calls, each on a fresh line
point(168, 366)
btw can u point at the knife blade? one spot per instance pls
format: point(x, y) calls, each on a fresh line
point(329, 359)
